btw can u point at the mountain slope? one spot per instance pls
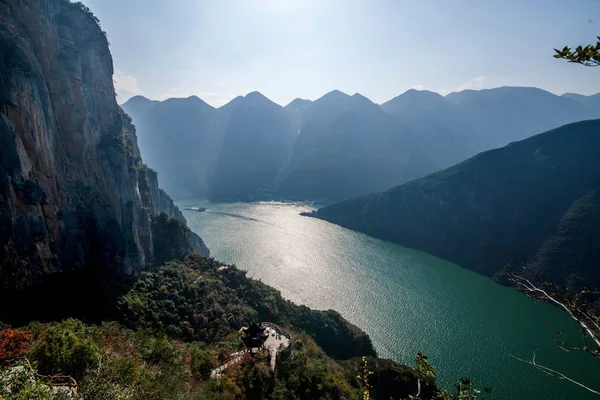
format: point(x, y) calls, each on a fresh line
point(75, 195)
point(138, 107)
point(525, 201)
point(338, 146)
point(439, 128)
point(295, 110)
point(592, 101)
point(505, 114)
point(347, 145)
point(257, 144)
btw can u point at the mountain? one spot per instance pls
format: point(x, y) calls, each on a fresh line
point(441, 130)
point(138, 106)
point(256, 146)
point(334, 104)
point(77, 202)
point(477, 120)
point(592, 101)
point(338, 146)
point(537, 200)
point(295, 110)
point(347, 145)
point(180, 139)
point(506, 114)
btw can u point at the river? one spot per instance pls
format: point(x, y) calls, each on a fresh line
point(406, 300)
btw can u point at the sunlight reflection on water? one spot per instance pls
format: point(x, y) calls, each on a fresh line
point(406, 300)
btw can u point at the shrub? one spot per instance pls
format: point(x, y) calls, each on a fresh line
point(17, 383)
point(13, 343)
point(66, 348)
point(202, 362)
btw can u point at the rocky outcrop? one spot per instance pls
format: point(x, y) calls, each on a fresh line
point(158, 200)
point(172, 238)
point(74, 193)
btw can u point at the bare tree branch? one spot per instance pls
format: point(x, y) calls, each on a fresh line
point(586, 321)
point(554, 373)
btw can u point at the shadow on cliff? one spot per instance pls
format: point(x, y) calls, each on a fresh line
point(90, 294)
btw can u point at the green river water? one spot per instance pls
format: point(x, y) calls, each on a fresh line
point(406, 300)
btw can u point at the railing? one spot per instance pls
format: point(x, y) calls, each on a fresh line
point(230, 360)
point(283, 332)
point(235, 357)
point(55, 381)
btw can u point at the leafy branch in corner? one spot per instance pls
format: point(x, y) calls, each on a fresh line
point(588, 55)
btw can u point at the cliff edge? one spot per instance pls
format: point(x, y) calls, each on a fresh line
point(74, 193)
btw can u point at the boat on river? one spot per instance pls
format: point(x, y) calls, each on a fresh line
point(198, 209)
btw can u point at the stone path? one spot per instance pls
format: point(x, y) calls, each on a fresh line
point(273, 343)
point(233, 358)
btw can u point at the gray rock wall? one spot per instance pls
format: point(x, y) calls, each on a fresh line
point(74, 192)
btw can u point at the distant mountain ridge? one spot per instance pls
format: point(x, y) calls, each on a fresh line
point(338, 146)
point(297, 101)
point(535, 201)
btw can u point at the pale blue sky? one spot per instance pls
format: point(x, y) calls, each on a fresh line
point(219, 49)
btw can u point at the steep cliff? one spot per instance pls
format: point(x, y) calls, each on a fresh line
point(74, 193)
point(535, 200)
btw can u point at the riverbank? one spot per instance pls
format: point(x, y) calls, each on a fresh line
point(406, 300)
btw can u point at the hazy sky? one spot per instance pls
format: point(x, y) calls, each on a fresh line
point(218, 49)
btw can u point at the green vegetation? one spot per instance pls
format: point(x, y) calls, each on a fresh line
point(109, 361)
point(17, 383)
point(463, 389)
point(588, 56)
point(194, 300)
point(78, 5)
point(181, 320)
point(171, 238)
point(122, 143)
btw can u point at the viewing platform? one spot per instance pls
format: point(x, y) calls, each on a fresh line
point(265, 335)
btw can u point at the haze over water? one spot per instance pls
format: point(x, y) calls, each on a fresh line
point(406, 300)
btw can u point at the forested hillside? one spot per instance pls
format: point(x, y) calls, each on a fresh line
point(533, 201)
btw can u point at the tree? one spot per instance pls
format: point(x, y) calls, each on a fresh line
point(588, 55)
point(464, 389)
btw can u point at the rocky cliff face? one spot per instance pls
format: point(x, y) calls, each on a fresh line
point(74, 193)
